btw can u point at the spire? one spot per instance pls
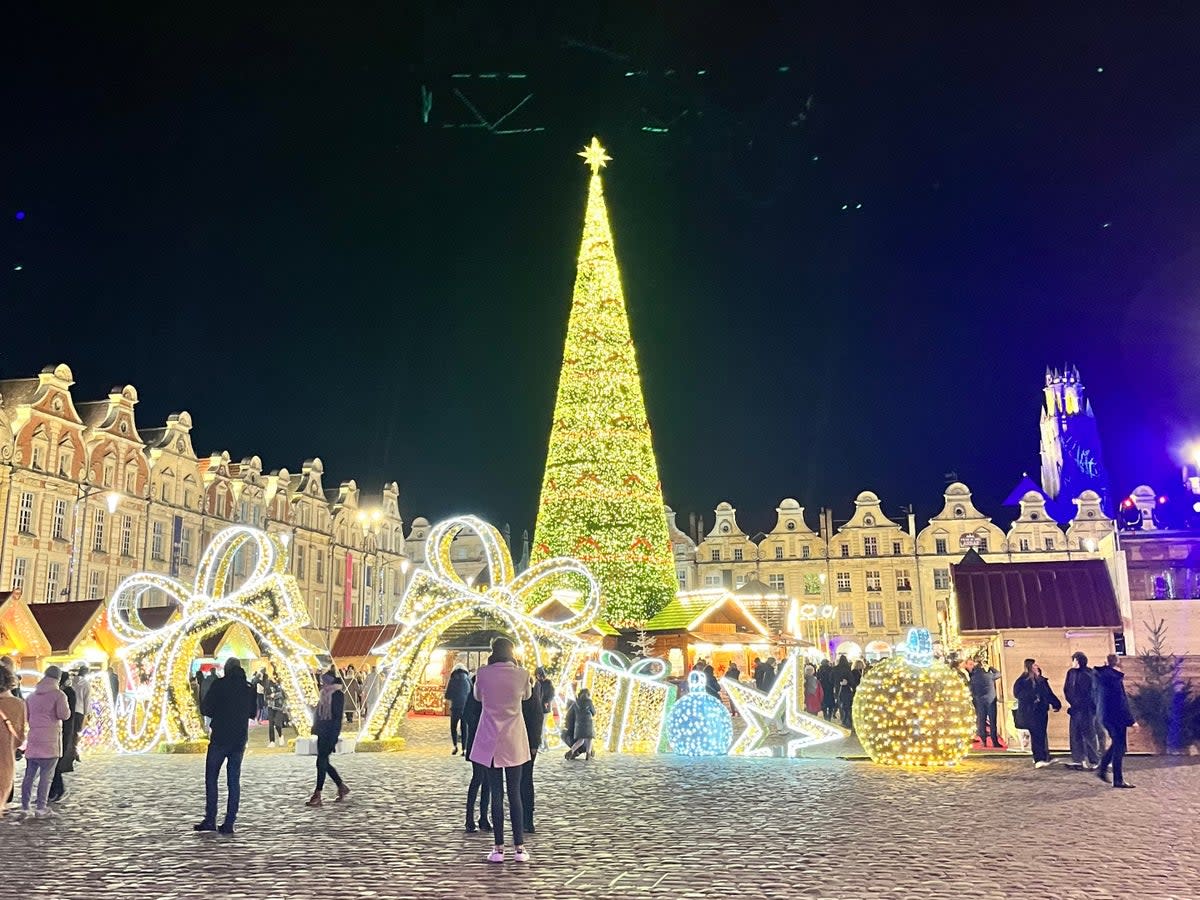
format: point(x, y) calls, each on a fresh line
point(601, 498)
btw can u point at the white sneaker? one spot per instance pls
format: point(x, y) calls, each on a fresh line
point(1043, 763)
point(270, 743)
point(46, 813)
point(1088, 767)
point(496, 856)
point(522, 855)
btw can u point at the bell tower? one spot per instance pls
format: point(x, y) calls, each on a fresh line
point(1072, 461)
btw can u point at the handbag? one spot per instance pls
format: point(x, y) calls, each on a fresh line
point(1018, 715)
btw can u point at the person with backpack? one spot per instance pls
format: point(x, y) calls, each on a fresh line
point(1079, 689)
point(458, 688)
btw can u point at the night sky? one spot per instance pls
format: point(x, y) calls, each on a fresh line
point(243, 215)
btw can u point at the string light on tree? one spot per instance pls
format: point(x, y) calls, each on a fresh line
point(914, 710)
point(699, 723)
point(601, 499)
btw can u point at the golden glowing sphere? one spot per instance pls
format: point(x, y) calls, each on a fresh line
point(907, 714)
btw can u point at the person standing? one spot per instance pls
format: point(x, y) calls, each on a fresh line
point(1035, 698)
point(113, 683)
point(710, 682)
point(229, 703)
point(813, 694)
point(1079, 690)
point(545, 690)
point(66, 759)
point(46, 709)
point(533, 711)
point(83, 702)
point(585, 726)
point(733, 673)
point(458, 688)
point(828, 694)
point(769, 675)
point(982, 682)
point(327, 728)
point(1116, 717)
point(276, 714)
point(12, 733)
point(479, 773)
point(502, 744)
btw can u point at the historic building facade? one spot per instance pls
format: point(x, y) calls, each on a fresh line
point(89, 498)
point(876, 576)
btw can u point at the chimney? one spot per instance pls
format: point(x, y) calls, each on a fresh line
point(912, 524)
point(692, 525)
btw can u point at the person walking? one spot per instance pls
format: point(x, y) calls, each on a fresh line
point(501, 743)
point(458, 688)
point(12, 734)
point(982, 682)
point(46, 708)
point(479, 773)
point(585, 726)
point(229, 703)
point(66, 759)
point(276, 714)
point(114, 683)
point(1079, 690)
point(533, 711)
point(1035, 699)
point(1116, 717)
point(327, 728)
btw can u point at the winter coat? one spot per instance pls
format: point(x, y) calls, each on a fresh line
point(230, 704)
point(1034, 699)
point(46, 708)
point(585, 726)
point(814, 694)
point(535, 719)
point(733, 673)
point(83, 695)
point(545, 690)
point(327, 731)
point(768, 678)
point(66, 760)
point(712, 685)
point(501, 740)
point(458, 688)
point(983, 684)
point(472, 710)
point(14, 710)
point(1079, 690)
point(1111, 701)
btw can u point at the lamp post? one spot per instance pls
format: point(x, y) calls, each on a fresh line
point(75, 561)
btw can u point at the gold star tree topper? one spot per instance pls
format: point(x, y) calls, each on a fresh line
point(595, 155)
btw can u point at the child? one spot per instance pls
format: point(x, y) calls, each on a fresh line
point(584, 729)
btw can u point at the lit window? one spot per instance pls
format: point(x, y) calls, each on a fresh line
point(127, 536)
point(299, 560)
point(95, 584)
point(156, 544)
point(712, 580)
point(740, 581)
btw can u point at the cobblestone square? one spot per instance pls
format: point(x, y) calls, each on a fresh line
point(638, 827)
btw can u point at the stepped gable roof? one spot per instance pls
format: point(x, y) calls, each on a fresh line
point(359, 640)
point(65, 623)
point(1004, 596)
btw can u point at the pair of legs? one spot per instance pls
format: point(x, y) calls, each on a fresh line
point(275, 725)
point(985, 722)
point(43, 769)
point(324, 749)
point(1085, 740)
point(584, 744)
point(458, 727)
point(1038, 738)
point(500, 778)
point(527, 789)
point(1114, 755)
point(231, 757)
point(479, 786)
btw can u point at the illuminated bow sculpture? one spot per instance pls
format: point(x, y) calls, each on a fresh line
point(267, 602)
point(438, 598)
point(632, 700)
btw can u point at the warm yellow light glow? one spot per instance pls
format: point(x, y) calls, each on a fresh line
point(782, 707)
point(632, 700)
point(595, 156)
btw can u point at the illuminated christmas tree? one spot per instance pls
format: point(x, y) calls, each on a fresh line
point(601, 497)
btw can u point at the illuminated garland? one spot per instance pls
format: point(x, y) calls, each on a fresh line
point(601, 499)
point(436, 599)
point(160, 706)
point(632, 700)
point(780, 708)
point(913, 710)
point(699, 723)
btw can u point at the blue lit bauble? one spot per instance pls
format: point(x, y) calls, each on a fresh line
point(699, 724)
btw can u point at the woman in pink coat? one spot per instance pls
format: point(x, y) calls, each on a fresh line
point(46, 710)
point(502, 743)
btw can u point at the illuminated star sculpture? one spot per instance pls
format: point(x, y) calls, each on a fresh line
point(595, 156)
point(782, 706)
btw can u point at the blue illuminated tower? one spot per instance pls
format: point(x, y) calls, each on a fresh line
point(1071, 458)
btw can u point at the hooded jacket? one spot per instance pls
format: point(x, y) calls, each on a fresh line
point(46, 709)
point(1111, 701)
point(458, 688)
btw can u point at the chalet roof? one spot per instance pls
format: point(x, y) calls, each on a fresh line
point(555, 610)
point(65, 623)
point(1065, 594)
point(688, 609)
point(359, 640)
point(20, 624)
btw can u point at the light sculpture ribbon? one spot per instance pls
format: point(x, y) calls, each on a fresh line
point(632, 700)
point(438, 598)
point(160, 706)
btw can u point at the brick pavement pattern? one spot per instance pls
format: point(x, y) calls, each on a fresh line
point(638, 827)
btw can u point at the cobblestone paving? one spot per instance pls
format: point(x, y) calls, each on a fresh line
point(657, 827)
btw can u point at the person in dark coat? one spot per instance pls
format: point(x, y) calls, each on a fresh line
point(585, 729)
point(472, 711)
point(229, 703)
point(769, 674)
point(458, 688)
point(544, 688)
point(327, 728)
point(1079, 690)
point(758, 673)
point(733, 673)
point(533, 711)
point(982, 682)
point(66, 762)
point(710, 682)
point(1117, 718)
point(828, 696)
point(1035, 699)
point(276, 714)
point(842, 688)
